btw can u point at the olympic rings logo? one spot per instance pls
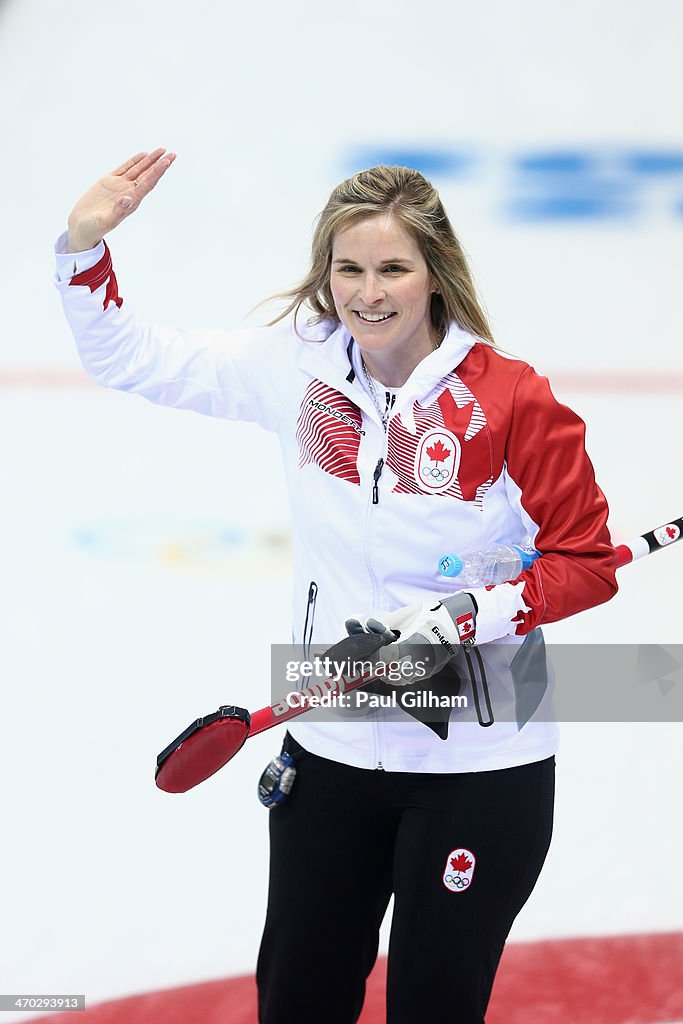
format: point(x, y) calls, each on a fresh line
point(435, 473)
point(458, 881)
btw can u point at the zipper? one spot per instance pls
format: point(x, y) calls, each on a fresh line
point(377, 473)
point(375, 481)
point(489, 720)
point(380, 464)
point(310, 616)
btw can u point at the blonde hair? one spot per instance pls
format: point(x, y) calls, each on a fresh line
point(408, 196)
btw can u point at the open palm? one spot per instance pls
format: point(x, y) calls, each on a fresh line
point(114, 197)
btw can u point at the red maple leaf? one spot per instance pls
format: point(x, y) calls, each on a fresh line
point(438, 453)
point(460, 863)
point(670, 532)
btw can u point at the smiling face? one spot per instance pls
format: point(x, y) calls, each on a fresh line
point(382, 292)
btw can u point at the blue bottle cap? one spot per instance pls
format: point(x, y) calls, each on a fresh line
point(528, 557)
point(450, 565)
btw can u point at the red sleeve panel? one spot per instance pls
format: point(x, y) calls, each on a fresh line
point(546, 459)
point(101, 273)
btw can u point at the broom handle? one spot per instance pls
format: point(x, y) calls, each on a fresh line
point(647, 543)
point(279, 712)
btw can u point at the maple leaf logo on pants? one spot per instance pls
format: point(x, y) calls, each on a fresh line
point(460, 864)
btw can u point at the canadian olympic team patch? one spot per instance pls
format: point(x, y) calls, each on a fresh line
point(457, 875)
point(667, 534)
point(437, 460)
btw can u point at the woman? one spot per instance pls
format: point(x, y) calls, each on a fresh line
point(405, 433)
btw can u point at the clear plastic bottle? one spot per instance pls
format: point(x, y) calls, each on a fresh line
point(494, 565)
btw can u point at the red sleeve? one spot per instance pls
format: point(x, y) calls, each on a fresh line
point(550, 473)
point(96, 276)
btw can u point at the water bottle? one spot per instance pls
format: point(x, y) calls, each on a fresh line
point(496, 564)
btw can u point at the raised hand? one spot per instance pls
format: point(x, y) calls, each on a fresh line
point(114, 197)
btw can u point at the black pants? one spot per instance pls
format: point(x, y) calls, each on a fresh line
point(347, 838)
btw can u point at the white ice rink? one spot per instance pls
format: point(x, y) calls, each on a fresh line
point(144, 550)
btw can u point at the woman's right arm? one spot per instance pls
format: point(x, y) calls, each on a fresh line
point(231, 374)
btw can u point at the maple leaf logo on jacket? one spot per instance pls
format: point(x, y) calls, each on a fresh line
point(436, 463)
point(457, 875)
point(437, 452)
point(448, 451)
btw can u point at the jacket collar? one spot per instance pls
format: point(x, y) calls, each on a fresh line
point(336, 360)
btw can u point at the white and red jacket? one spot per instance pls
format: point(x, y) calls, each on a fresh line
point(478, 452)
